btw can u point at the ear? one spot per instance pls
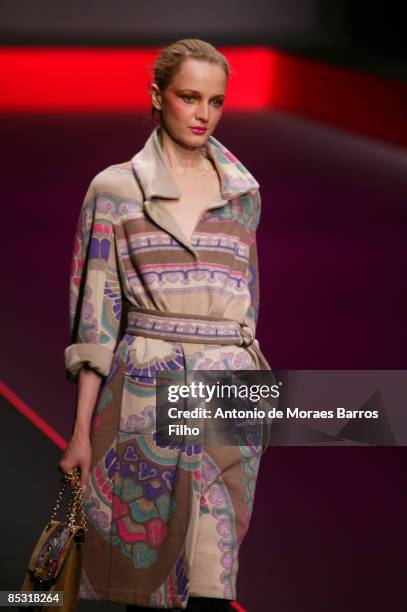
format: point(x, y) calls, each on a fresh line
point(156, 97)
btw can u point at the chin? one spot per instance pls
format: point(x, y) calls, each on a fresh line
point(195, 140)
point(200, 137)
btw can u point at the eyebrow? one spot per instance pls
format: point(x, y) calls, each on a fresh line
point(199, 93)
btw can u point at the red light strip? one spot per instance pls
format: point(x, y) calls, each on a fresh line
point(32, 416)
point(236, 606)
point(346, 98)
point(85, 79)
point(112, 80)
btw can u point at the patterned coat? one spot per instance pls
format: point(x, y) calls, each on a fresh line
point(163, 523)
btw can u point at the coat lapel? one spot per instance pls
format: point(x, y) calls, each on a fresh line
point(157, 183)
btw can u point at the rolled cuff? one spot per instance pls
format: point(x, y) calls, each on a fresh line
point(94, 356)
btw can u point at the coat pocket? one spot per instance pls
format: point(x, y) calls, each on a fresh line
point(145, 358)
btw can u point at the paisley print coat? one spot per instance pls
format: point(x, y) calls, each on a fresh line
point(163, 523)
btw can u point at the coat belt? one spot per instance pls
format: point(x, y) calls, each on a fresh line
point(183, 327)
point(206, 329)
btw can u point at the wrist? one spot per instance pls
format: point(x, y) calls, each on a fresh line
point(81, 431)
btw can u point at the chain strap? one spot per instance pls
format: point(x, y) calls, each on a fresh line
point(75, 504)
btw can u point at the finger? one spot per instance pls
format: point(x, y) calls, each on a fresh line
point(67, 472)
point(84, 478)
point(63, 468)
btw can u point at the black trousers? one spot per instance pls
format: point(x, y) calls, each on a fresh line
point(195, 604)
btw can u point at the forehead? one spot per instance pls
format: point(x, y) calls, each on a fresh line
point(200, 75)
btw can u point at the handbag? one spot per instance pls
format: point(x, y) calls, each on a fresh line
point(56, 561)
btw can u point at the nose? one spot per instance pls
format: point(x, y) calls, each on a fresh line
point(202, 112)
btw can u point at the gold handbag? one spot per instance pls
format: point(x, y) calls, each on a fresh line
point(55, 563)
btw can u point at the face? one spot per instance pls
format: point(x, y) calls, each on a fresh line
point(193, 99)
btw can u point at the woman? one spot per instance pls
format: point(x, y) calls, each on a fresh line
point(164, 258)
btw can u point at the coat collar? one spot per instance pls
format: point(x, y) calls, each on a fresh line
point(156, 179)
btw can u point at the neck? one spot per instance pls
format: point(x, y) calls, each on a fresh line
point(180, 158)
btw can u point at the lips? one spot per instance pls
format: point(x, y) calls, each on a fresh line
point(198, 130)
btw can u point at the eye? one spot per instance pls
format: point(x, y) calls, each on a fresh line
point(187, 97)
point(218, 102)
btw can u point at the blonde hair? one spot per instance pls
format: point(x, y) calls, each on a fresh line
point(170, 59)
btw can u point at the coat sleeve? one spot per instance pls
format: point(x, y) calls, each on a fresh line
point(252, 313)
point(95, 291)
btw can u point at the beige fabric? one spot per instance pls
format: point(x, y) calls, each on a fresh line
point(95, 356)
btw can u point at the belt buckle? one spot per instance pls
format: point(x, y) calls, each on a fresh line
point(244, 341)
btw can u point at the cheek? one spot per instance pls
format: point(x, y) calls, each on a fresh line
point(216, 115)
point(177, 109)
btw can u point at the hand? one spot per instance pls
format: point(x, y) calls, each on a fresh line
point(78, 453)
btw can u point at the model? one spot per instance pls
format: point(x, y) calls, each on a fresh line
point(164, 277)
